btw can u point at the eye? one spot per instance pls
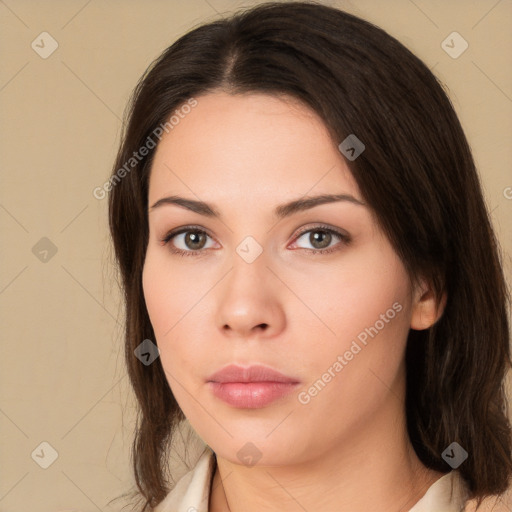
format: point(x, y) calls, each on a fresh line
point(186, 241)
point(320, 237)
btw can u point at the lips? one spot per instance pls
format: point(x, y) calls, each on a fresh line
point(254, 373)
point(250, 388)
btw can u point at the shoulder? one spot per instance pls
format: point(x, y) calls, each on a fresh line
point(447, 494)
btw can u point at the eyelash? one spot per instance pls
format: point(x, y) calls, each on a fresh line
point(179, 252)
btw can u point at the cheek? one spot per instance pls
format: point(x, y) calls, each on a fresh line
point(366, 307)
point(158, 302)
point(165, 307)
point(168, 293)
point(174, 307)
point(350, 374)
point(357, 294)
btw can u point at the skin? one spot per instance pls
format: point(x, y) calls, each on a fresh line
point(347, 448)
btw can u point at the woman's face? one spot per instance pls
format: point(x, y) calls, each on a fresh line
point(246, 288)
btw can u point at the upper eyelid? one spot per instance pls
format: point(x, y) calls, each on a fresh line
point(186, 229)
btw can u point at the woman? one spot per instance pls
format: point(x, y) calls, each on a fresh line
point(338, 336)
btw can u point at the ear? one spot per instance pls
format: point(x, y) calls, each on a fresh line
point(425, 309)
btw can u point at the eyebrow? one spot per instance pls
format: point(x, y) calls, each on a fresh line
point(281, 211)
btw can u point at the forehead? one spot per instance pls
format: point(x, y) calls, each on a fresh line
point(253, 146)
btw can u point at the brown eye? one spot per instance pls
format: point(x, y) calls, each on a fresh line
point(320, 239)
point(195, 239)
point(187, 241)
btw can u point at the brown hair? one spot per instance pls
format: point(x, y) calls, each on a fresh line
point(416, 173)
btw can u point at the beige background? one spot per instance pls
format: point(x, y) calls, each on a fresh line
point(62, 377)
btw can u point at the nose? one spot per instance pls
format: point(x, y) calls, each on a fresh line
point(250, 300)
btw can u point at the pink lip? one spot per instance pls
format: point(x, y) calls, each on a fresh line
point(252, 387)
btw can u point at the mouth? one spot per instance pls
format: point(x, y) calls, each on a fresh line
point(252, 387)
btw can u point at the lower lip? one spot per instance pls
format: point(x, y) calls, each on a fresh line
point(251, 395)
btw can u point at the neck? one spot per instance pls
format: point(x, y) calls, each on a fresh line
point(374, 464)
